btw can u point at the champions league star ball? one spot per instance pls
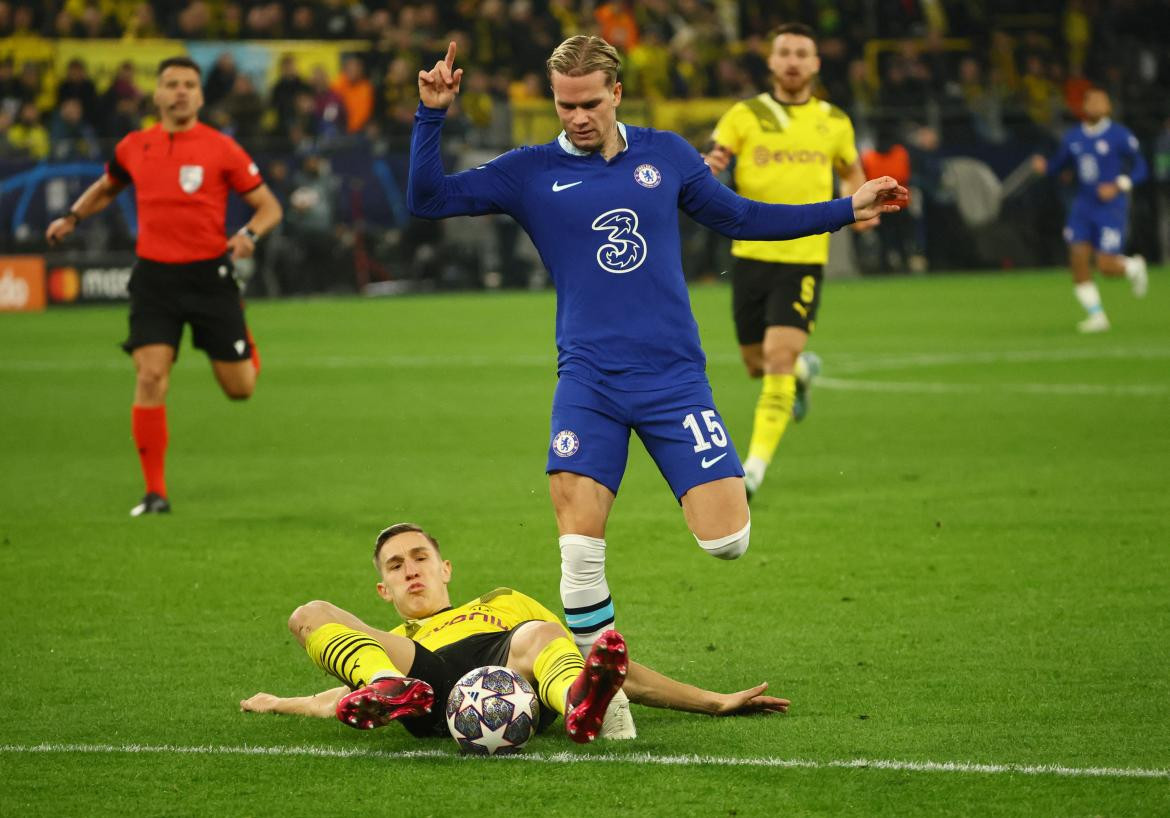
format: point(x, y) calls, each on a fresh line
point(492, 711)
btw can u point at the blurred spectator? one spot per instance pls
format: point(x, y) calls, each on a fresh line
point(77, 85)
point(285, 90)
point(329, 117)
point(231, 21)
point(246, 109)
point(27, 135)
point(11, 94)
point(70, 135)
point(220, 79)
point(648, 67)
point(889, 157)
point(142, 23)
point(355, 91)
point(398, 100)
point(303, 23)
point(619, 26)
point(28, 84)
point(337, 22)
point(193, 22)
point(264, 21)
point(7, 149)
point(1040, 95)
point(310, 220)
point(119, 103)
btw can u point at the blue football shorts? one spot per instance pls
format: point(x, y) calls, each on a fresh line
point(1101, 225)
point(679, 426)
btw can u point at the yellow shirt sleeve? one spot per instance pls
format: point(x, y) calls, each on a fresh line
point(729, 129)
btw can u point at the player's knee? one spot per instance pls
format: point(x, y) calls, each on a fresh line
point(152, 382)
point(308, 617)
point(731, 547)
point(240, 388)
point(582, 561)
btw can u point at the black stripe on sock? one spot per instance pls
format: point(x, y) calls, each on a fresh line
point(592, 628)
point(590, 608)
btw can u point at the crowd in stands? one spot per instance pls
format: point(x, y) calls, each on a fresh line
point(913, 74)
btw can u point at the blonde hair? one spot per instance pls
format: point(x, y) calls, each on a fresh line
point(584, 54)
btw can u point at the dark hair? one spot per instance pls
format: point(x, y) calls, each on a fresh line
point(400, 528)
point(179, 62)
point(799, 29)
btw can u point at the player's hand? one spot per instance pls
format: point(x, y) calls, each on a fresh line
point(241, 246)
point(866, 226)
point(1039, 165)
point(59, 229)
point(260, 703)
point(718, 158)
point(877, 196)
point(437, 88)
point(751, 700)
point(1107, 191)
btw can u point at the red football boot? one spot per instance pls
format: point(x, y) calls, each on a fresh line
point(382, 701)
point(603, 676)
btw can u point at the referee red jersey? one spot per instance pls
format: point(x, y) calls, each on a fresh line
point(181, 182)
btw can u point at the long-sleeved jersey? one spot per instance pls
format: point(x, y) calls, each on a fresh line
point(608, 233)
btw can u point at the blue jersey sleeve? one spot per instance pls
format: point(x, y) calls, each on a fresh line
point(432, 194)
point(1139, 171)
point(1063, 156)
point(710, 203)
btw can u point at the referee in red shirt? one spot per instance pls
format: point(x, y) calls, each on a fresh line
point(182, 171)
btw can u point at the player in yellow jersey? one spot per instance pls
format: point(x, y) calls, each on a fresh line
point(787, 144)
point(398, 675)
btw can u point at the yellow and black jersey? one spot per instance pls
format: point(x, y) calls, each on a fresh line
point(786, 154)
point(494, 612)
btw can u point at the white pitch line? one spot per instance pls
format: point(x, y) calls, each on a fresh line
point(926, 387)
point(966, 767)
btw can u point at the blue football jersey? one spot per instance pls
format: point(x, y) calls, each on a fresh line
point(607, 231)
point(1100, 153)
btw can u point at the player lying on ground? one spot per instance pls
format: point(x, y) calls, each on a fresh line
point(399, 675)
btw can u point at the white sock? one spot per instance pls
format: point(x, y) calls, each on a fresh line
point(1089, 296)
point(753, 471)
point(1132, 266)
point(584, 591)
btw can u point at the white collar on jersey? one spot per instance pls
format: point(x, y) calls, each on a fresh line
point(1098, 129)
point(568, 147)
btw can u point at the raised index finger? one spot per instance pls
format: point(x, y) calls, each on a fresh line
point(450, 58)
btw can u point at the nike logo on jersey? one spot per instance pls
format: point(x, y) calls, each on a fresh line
point(558, 187)
point(706, 464)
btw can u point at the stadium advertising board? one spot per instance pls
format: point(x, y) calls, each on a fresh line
point(94, 281)
point(22, 283)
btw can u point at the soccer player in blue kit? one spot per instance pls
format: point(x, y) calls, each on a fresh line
point(1108, 164)
point(600, 203)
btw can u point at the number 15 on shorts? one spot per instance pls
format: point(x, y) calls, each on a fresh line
point(714, 435)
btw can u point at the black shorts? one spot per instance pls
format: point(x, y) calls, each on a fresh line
point(769, 294)
point(442, 668)
point(204, 294)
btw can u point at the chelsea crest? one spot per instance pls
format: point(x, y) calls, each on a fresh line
point(565, 443)
point(647, 176)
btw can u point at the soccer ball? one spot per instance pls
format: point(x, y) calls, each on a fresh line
point(492, 711)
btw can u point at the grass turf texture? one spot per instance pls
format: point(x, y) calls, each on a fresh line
point(960, 556)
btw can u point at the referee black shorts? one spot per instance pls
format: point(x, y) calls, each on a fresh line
point(442, 668)
point(769, 294)
point(204, 294)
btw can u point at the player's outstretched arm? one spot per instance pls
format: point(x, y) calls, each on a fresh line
point(877, 196)
point(321, 706)
point(95, 199)
point(437, 88)
point(652, 689)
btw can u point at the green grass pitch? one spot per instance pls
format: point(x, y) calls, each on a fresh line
point(962, 555)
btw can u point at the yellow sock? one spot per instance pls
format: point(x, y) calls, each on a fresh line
point(773, 410)
point(351, 656)
point(556, 668)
